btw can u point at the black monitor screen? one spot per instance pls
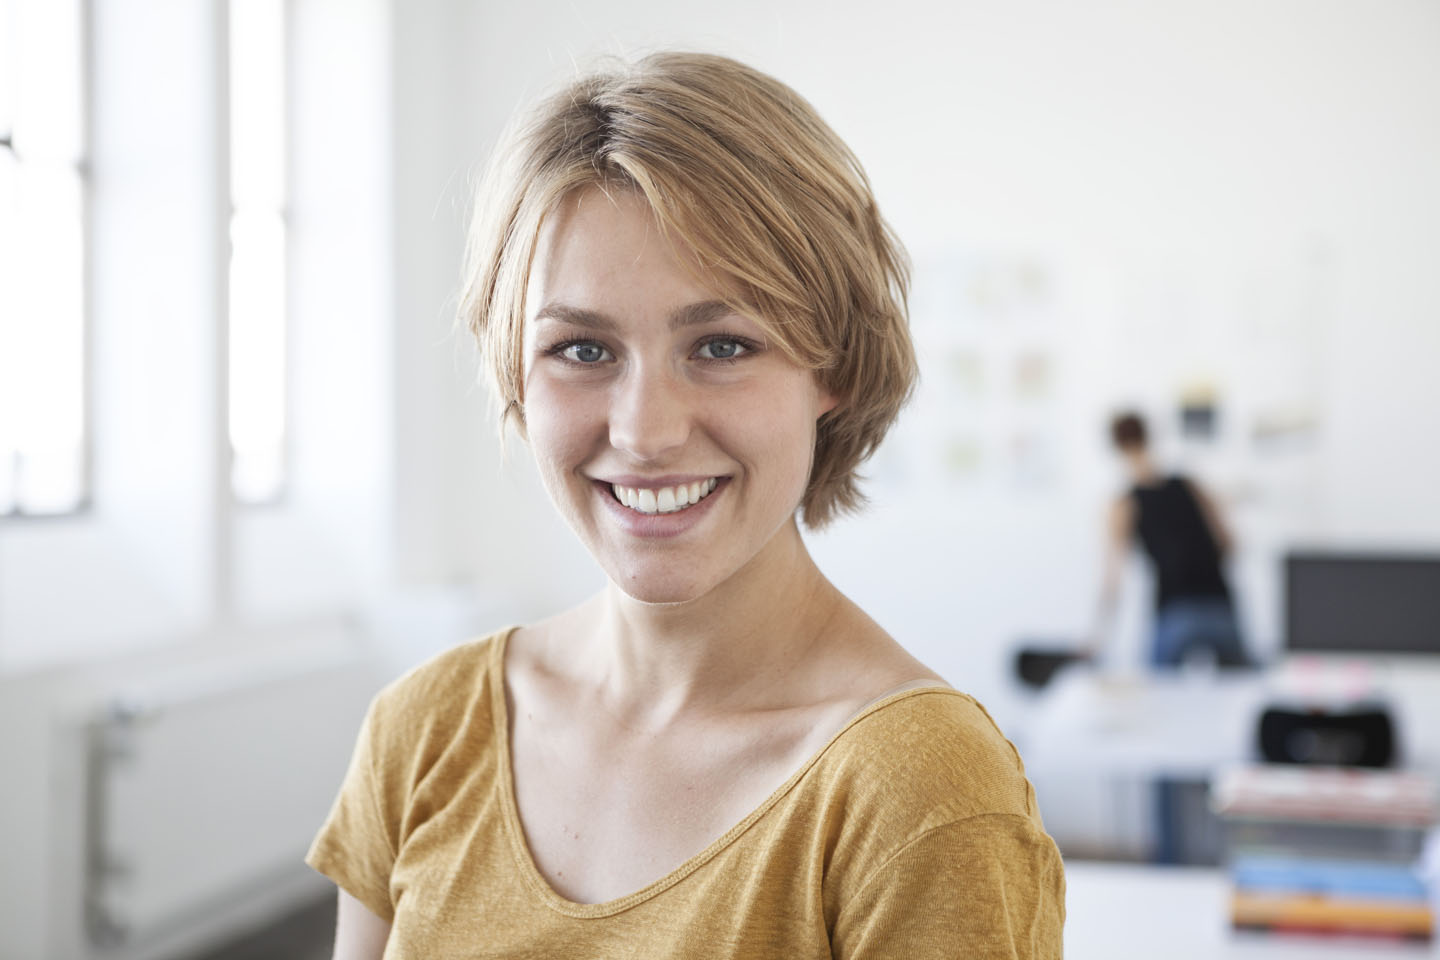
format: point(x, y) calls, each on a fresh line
point(1378, 603)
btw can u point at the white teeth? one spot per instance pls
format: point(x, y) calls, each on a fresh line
point(664, 499)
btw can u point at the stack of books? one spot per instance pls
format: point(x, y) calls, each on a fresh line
point(1328, 850)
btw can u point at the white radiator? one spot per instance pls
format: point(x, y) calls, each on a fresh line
point(203, 790)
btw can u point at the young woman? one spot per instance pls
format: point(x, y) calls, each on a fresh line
point(694, 313)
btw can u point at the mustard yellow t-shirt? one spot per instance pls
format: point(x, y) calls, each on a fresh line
point(912, 834)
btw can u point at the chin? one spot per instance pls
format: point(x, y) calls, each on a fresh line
point(655, 587)
point(658, 594)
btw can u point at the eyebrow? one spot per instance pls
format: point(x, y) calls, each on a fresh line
point(706, 311)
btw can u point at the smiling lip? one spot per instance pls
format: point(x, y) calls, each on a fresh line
point(657, 525)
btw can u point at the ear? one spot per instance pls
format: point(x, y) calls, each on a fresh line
point(828, 402)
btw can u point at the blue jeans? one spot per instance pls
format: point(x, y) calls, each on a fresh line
point(1197, 625)
point(1184, 628)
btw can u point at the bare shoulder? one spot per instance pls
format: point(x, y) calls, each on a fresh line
point(864, 664)
point(886, 666)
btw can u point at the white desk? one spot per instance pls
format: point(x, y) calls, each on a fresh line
point(1184, 726)
point(1189, 725)
point(1127, 912)
point(1094, 742)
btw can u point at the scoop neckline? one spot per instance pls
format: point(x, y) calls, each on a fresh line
point(515, 831)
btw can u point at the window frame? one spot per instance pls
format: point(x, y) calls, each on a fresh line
point(81, 168)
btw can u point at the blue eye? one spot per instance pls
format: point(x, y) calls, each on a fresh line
point(583, 352)
point(723, 349)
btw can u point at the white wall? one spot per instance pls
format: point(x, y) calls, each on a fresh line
point(163, 573)
point(1216, 187)
point(465, 516)
point(330, 542)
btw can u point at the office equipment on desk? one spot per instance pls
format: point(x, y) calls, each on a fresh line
point(1037, 664)
point(1361, 736)
point(1328, 850)
point(1329, 712)
point(1362, 603)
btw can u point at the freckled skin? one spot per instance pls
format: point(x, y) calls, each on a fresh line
point(658, 404)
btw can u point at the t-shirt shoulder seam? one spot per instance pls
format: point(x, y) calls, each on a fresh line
point(930, 831)
point(891, 701)
point(475, 649)
point(912, 695)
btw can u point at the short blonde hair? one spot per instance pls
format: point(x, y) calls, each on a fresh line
point(773, 202)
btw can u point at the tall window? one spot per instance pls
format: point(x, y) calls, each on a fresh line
point(257, 320)
point(43, 429)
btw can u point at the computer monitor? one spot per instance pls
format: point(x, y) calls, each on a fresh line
point(1362, 603)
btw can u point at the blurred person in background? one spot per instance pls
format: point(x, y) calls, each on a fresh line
point(692, 310)
point(1183, 535)
point(1180, 529)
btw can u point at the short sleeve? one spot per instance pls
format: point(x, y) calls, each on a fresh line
point(354, 847)
point(988, 886)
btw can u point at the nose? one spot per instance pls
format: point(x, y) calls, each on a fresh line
point(650, 414)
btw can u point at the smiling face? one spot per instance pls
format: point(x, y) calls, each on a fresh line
point(674, 438)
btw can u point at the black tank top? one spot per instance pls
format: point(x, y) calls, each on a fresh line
point(1173, 531)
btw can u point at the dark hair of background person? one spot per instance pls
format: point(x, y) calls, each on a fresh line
point(1127, 430)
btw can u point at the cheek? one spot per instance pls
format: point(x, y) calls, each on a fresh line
point(782, 444)
point(558, 427)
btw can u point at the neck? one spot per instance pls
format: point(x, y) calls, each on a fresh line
point(1142, 468)
point(723, 650)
